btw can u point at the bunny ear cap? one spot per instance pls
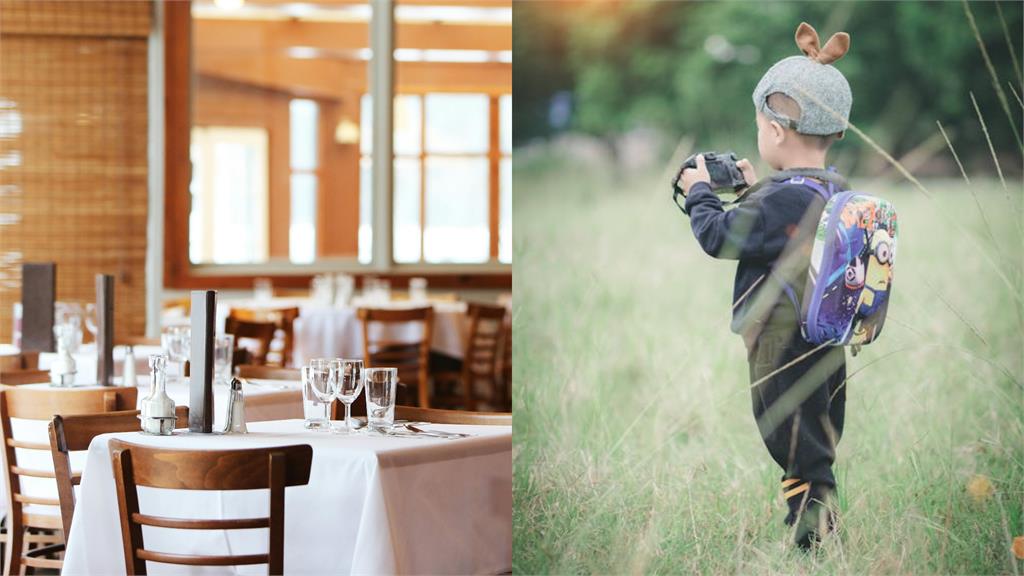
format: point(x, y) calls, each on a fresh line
point(821, 90)
point(835, 48)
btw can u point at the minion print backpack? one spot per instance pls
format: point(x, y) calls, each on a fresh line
point(850, 274)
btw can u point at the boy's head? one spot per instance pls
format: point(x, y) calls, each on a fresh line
point(802, 102)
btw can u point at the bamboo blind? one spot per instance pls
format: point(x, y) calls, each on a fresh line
point(73, 140)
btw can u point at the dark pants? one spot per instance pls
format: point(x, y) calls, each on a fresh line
point(799, 410)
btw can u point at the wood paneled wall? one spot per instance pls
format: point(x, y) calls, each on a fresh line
point(73, 149)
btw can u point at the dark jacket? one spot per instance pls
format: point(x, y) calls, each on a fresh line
point(756, 232)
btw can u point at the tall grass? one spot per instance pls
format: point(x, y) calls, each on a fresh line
point(635, 446)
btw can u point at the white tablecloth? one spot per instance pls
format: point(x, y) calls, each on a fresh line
point(373, 505)
point(264, 400)
point(337, 333)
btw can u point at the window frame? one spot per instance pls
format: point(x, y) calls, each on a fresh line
point(494, 155)
point(178, 270)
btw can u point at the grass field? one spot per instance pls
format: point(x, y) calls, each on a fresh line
point(635, 447)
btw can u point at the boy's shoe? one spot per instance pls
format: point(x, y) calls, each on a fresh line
point(810, 510)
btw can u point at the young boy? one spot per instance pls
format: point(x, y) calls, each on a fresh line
point(802, 106)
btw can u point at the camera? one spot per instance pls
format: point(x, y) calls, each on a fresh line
point(722, 170)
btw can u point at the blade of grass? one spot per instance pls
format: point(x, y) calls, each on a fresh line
point(991, 149)
point(1015, 95)
point(1009, 44)
point(984, 218)
point(992, 72)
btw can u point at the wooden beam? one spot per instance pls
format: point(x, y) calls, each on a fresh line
point(177, 139)
point(279, 35)
point(333, 79)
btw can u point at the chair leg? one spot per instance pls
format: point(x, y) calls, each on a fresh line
point(12, 557)
point(470, 399)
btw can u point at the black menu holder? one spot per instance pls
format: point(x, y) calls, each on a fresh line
point(38, 296)
point(200, 401)
point(105, 330)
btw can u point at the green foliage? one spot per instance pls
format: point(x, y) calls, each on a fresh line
point(633, 64)
point(636, 450)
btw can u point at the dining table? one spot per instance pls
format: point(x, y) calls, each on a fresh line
point(374, 504)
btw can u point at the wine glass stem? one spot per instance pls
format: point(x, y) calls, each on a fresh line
point(348, 417)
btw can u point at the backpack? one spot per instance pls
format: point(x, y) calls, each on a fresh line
point(849, 279)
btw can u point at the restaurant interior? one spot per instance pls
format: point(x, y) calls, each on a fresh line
point(232, 339)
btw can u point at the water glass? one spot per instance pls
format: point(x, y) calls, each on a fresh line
point(347, 376)
point(315, 410)
point(418, 289)
point(380, 397)
point(263, 289)
point(177, 343)
point(223, 353)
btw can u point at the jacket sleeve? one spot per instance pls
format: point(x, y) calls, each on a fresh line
point(759, 227)
point(732, 234)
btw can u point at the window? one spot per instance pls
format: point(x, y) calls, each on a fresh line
point(228, 221)
point(303, 115)
point(441, 210)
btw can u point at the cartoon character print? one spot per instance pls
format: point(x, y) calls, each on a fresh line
point(874, 296)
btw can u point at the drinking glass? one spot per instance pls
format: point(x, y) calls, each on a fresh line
point(263, 289)
point(380, 397)
point(314, 409)
point(348, 383)
point(177, 343)
point(223, 350)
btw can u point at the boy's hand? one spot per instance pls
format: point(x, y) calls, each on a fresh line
point(748, 171)
point(691, 176)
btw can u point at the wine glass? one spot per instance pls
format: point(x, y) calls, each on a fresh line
point(348, 383)
point(177, 342)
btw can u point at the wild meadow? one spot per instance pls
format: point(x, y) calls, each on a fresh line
point(635, 447)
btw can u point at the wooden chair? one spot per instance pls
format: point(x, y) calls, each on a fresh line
point(262, 332)
point(411, 358)
point(268, 372)
point(436, 416)
point(19, 361)
point(480, 360)
point(250, 469)
point(283, 319)
point(42, 404)
point(73, 433)
point(506, 365)
point(19, 377)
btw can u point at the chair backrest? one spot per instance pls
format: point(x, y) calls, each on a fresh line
point(249, 469)
point(506, 365)
point(480, 361)
point(262, 332)
point(19, 377)
point(44, 404)
point(19, 361)
point(136, 341)
point(73, 433)
point(411, 358)
point(436, 416)
point(283, 319)
point(268, 372)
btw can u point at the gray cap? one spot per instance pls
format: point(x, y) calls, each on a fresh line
point(818, 87)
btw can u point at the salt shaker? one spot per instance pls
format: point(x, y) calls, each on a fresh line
point(128, 374)
point(157, 412)
point(235, 421)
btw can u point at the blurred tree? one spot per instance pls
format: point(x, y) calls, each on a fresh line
point(690, 67)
